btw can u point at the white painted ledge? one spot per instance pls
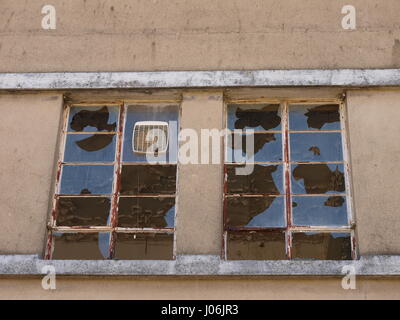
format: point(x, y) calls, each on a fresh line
point(204, 79)
point(198, 265)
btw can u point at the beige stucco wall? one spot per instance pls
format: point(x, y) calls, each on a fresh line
point(29, 129)
point(374, 131)
point(199, 213)
point(134, 35)
point(162, 288)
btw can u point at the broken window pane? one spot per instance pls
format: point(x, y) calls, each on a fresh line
point(90, 148)
point(81, 246)
point(148, 179)
point(316, 146)
point(130, 246)
point(258, 117)
point(265, 179)
point(145, 192)
point(255, 212)
point(86, 179)
point(321, 246)
point(266, 147)
point(258, 200)
point(135, 113)
point(89, 211)
point(314, 117)
point(93, 119)
point(146, 212)
point(318, 178)
point(319, 211)
point(255, 245)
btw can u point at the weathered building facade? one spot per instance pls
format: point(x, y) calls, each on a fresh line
point(125, 55)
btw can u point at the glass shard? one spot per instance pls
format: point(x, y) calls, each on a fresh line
point(255, 212)
point(320, 211)
point(86, 179)
point(308, 117)
point(266, 147)
point(90, 148)
point(316, 146)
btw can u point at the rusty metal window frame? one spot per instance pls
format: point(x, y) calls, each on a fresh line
point(289, 229)
point(112, 228)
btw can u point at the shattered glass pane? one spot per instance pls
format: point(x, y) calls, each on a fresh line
point(93, 119)
point(316, 146)
point(135, 113)
point(318, 178)
point(266, 147)
point(131, 246)
point(81, 246)
point(76, 211)
point(146, 212)
point(90, 148)
point(319, 211)
point(256, 245)
point(264, 179)
point(255, 212)
point(257, 200)
point(321, 246)
point(312, 117)
point(258, 117)
point(148, 179)
point(86, 179)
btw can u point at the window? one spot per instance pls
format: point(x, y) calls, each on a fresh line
point(294, 203)
point(111, 202)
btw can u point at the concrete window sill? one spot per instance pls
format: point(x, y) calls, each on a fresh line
point(198, 265)
point(204, 79)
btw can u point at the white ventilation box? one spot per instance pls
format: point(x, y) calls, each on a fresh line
point(150, 137)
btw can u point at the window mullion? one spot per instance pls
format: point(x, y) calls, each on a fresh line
point(287, 186)
point(117, 179)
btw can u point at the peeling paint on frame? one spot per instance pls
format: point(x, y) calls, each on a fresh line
point(113, 229)
point(287, 163)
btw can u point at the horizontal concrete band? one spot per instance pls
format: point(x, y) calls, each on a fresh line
point(197, 265)
point(185, 79)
